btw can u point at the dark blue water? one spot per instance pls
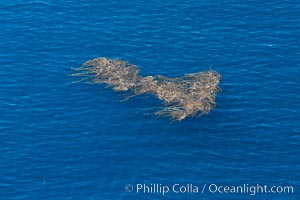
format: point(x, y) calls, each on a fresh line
point(78, 141)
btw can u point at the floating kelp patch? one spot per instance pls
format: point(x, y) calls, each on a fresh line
point(188, 95)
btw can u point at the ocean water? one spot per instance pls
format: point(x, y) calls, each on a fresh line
point(79, 141)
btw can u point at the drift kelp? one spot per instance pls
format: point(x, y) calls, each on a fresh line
point(184, 96)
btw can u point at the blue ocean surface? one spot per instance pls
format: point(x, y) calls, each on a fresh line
point(80, 141)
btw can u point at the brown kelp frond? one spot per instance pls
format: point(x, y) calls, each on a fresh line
point(184, 96)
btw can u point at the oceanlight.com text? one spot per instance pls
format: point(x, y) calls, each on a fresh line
point(250, 189)
point(163, 189)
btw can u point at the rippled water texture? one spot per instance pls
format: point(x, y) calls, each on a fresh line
point(77, 141)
